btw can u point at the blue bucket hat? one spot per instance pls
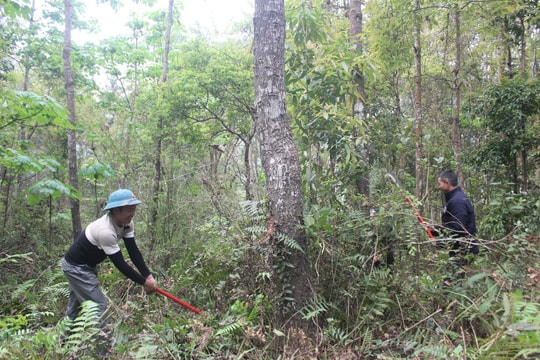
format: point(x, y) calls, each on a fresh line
point(121, 197)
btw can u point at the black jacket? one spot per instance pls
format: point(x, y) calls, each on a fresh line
point(458, 214)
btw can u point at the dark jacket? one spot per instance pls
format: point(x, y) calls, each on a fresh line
point(458, 216)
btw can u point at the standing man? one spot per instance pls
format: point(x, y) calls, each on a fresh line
point(97, 242)
point(458, 220)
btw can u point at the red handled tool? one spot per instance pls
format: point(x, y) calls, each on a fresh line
point(178, 301)
point(420, 219)
point(409, 200)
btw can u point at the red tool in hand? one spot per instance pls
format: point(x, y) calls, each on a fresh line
point(409, 200)
point(178, 301)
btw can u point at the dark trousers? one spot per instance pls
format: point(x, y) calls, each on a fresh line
point(84, 286)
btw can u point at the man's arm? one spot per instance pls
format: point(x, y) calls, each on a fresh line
point(136, 256)
point(118, 260)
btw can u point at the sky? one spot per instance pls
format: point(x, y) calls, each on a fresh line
point(212, 15)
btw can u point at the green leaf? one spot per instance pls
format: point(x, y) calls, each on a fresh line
point(96, 171)
point(19, 161)
point(50, 188)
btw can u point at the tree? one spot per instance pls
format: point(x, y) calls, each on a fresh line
point(359, 105)
point(159, 131)
point(279, 156)
point(72, 134)
point(456, 133)
point(417, 107)
point(508, 111)
point(391, 44)
point(321, 96)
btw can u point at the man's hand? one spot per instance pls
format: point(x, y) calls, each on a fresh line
point(150, 285)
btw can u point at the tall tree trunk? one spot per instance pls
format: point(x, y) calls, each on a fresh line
point(535, 67)
point(508, 49)
point(158, 188)
point(280, 158)
point(247, 166)
point(523, 71)
point(398, 161)
point(8, 179)
point(359, 105)
point(167, 50)
point(27, 66)
point(523, 46)
point(456, 132)
point(418, 100)
point(72, 135)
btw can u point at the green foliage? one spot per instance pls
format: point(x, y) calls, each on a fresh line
point(13, 9)
point(23, 164)
point(509, 213)
point(15, 258)
point(213, 248)
point(519, 336)
point(22, 337)
point(50, 189)
point(95, 170)
point(31, 109)
point(507, 110)
point(321, 89)
point(239, 325)
point(82, 331)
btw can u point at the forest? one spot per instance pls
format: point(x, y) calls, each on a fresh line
point(288, 171)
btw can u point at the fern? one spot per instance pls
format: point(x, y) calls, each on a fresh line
point(229, 329)
point(254, 209)
point(289, 241)
point(436, 351)
point(253, 314)
point(256, 229)
point(16, 258)
point(519, 339)
point(311, 311)
point(526, 311)
point(54, 292)
point(83, 335)
point(23, 290)
point(147, 351)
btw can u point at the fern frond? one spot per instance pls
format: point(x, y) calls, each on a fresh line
point(16, 258)
point(22, 332)
point(256, 229)
point(253, 209)
point(312, 310)
point(436, 351)
point(86, 321)
point(55, 291)
point(230, 329)
point(22, 289)
point(289, 241)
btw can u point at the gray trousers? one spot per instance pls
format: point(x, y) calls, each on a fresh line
point(84, 285)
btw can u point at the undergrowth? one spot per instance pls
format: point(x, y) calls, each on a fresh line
point(379, 295)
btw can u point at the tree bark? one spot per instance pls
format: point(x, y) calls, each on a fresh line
point(72, 135)
point(456, 131)
point(165, 72)
point(418, 100)
point(158, 188)
point(359, 107)
point(280, 158)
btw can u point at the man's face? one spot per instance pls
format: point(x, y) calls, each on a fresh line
point(125, 214)
point(444, 186)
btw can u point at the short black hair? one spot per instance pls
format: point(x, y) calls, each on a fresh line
point(449, 176)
